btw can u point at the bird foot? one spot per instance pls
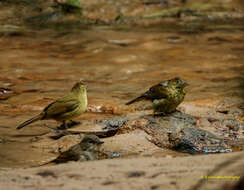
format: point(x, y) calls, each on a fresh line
point(62, 127)
point(73, 123)
point(159, 114)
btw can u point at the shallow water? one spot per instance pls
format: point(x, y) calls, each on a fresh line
point(41, 65)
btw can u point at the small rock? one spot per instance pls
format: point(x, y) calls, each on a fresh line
point(136, 174)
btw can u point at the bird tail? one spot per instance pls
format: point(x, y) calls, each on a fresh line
point(36, 118)
point(135, 100)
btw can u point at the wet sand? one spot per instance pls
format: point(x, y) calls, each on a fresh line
point(39, 66)
point(114, 74)
point(133, 173)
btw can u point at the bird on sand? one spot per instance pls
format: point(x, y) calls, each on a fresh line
point(165, 96)
point(70, 106)
point(87, 149)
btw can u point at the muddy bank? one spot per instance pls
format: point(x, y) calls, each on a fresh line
point(137, 134)
point(139, 173)
point(45, 50)
point(116, 70)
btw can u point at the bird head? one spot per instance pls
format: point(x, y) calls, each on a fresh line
point(176, 82)
point(90, 141)
point(79, 87)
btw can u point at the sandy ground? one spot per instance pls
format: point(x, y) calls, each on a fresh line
point(135, 173)
point(208, 55)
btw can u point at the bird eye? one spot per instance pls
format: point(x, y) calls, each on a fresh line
point(179, 81)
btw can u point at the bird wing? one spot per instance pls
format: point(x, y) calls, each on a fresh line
point(60, 107)
point(157, 92)
point(72, 153)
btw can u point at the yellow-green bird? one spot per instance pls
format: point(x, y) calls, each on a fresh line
point(165, 96)
point(65, 108)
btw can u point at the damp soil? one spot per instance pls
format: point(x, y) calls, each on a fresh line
point(40, 66)
point(42, 55)
point(120, 49)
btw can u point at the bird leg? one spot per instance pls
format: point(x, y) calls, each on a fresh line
point(73, 123)
point(63, 126)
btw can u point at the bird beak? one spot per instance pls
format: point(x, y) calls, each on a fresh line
point(100, 142)
point(186, 84)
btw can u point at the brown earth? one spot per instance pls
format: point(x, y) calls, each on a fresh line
point(118, 62)
point(134, 173)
